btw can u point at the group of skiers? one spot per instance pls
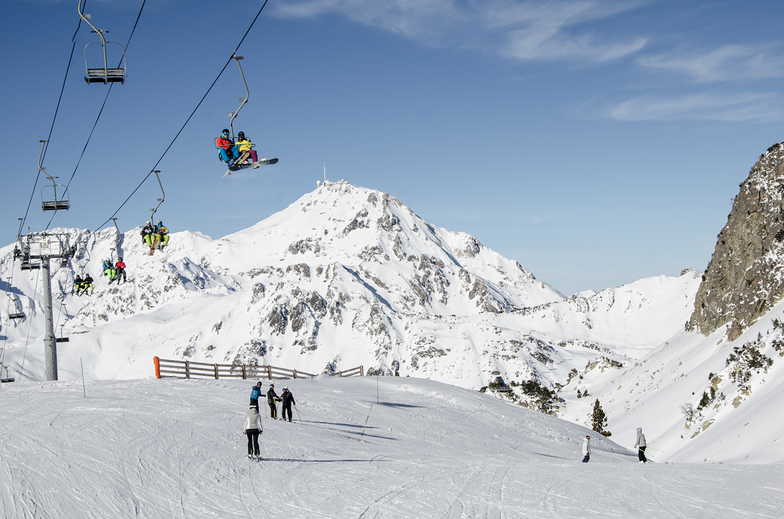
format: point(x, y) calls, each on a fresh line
point(252, 426)
point(155, 236)
point(230, 152)
point(640, 444)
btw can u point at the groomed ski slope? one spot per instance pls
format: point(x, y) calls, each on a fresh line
point(174, 448)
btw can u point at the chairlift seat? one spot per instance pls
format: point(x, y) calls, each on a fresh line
point(56, 205)
point(29, 266)
point(17, 315)
point(101, 75)
point(61, 339)
point(5, 380)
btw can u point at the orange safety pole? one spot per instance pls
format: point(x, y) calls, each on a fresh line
point(157, 362)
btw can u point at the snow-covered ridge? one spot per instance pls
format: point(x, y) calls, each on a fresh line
point(344, 276)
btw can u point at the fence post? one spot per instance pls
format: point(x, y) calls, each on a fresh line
point(269, 372)
point(216, 372)
point(187, 370)
point(361, 371)
point(244, 375)
point(157, 362)
point(295, 374)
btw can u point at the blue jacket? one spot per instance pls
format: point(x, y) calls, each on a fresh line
point(254, 395)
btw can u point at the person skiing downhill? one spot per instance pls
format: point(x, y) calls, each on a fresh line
point(252, 429)
point(254, 396)
point(288, 399)
point(272, 397)
point(641, 444)
point(586, 449)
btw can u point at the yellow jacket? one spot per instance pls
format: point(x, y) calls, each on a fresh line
point(244, 145)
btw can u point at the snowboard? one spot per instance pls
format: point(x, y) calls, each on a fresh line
point(254, 165)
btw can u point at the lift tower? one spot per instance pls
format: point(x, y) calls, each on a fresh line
point(36, 251)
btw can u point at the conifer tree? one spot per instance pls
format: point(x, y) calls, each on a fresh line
point(599, 419)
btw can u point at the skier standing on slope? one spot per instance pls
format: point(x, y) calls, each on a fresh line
point(288, 399)
point(252, 429)
point(272, 397)
point(586, 449)
point(641, 445)
point(254, 396)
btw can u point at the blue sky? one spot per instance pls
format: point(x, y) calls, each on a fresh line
point(596, 142)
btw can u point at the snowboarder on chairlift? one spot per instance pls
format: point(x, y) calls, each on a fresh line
point(108, 270)
point(148, 235)
point(78, 284)
point(119, 270)
point(287, 399)
point(254, 395)
point(586, 449)
point(161, 235)
point(641, 444)
point(87, 284)
point(226, 148)
point(272, 397)
point(244, 145)
point(252, 429)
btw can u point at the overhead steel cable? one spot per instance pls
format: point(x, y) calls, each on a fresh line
point(54, 119)
point(155, 167)
point(100, 112)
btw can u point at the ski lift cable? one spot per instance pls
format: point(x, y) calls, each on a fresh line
point(198, 105)
point(54, 119)
point(103, 105)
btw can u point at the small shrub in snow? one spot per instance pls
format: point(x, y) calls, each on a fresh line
point(747, 359)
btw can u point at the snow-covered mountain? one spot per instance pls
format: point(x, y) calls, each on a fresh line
point(342, 277)
point(349, 276)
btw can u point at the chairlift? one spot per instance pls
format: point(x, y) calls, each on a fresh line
point(17, 312)
point(5, 377)
point(106, 74)
point(52, 202)
point(61, 338)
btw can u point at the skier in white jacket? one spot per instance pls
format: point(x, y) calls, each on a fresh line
point(641, 445)
point(586, 449)
point(252, 429)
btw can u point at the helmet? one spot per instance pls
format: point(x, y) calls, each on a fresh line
point(148, 223)
point(285, 388)
point(241, 134)
point(225, 131)
point(159, 222)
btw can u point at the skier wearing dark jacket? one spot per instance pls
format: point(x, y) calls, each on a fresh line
point(273, 397)
point(288, 399)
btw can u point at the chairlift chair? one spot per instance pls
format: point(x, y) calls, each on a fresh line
point(52, 203)
point(55, 202)
point(104, 74)
point(5, 377)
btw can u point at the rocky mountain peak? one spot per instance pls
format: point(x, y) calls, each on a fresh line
point(744, 278)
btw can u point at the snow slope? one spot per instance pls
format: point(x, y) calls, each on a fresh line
point(384, 447)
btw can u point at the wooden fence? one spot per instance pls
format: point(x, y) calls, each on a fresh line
point(188, 369)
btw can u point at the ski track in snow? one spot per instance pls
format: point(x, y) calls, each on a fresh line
point(175, 449)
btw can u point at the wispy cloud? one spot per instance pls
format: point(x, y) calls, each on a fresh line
point(509, 28)
point(740, 107)
point(727, 62)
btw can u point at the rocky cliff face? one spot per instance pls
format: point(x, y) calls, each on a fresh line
point(744, 278)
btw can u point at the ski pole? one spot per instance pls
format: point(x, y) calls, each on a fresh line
point(366, 421)
point(298, 415)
